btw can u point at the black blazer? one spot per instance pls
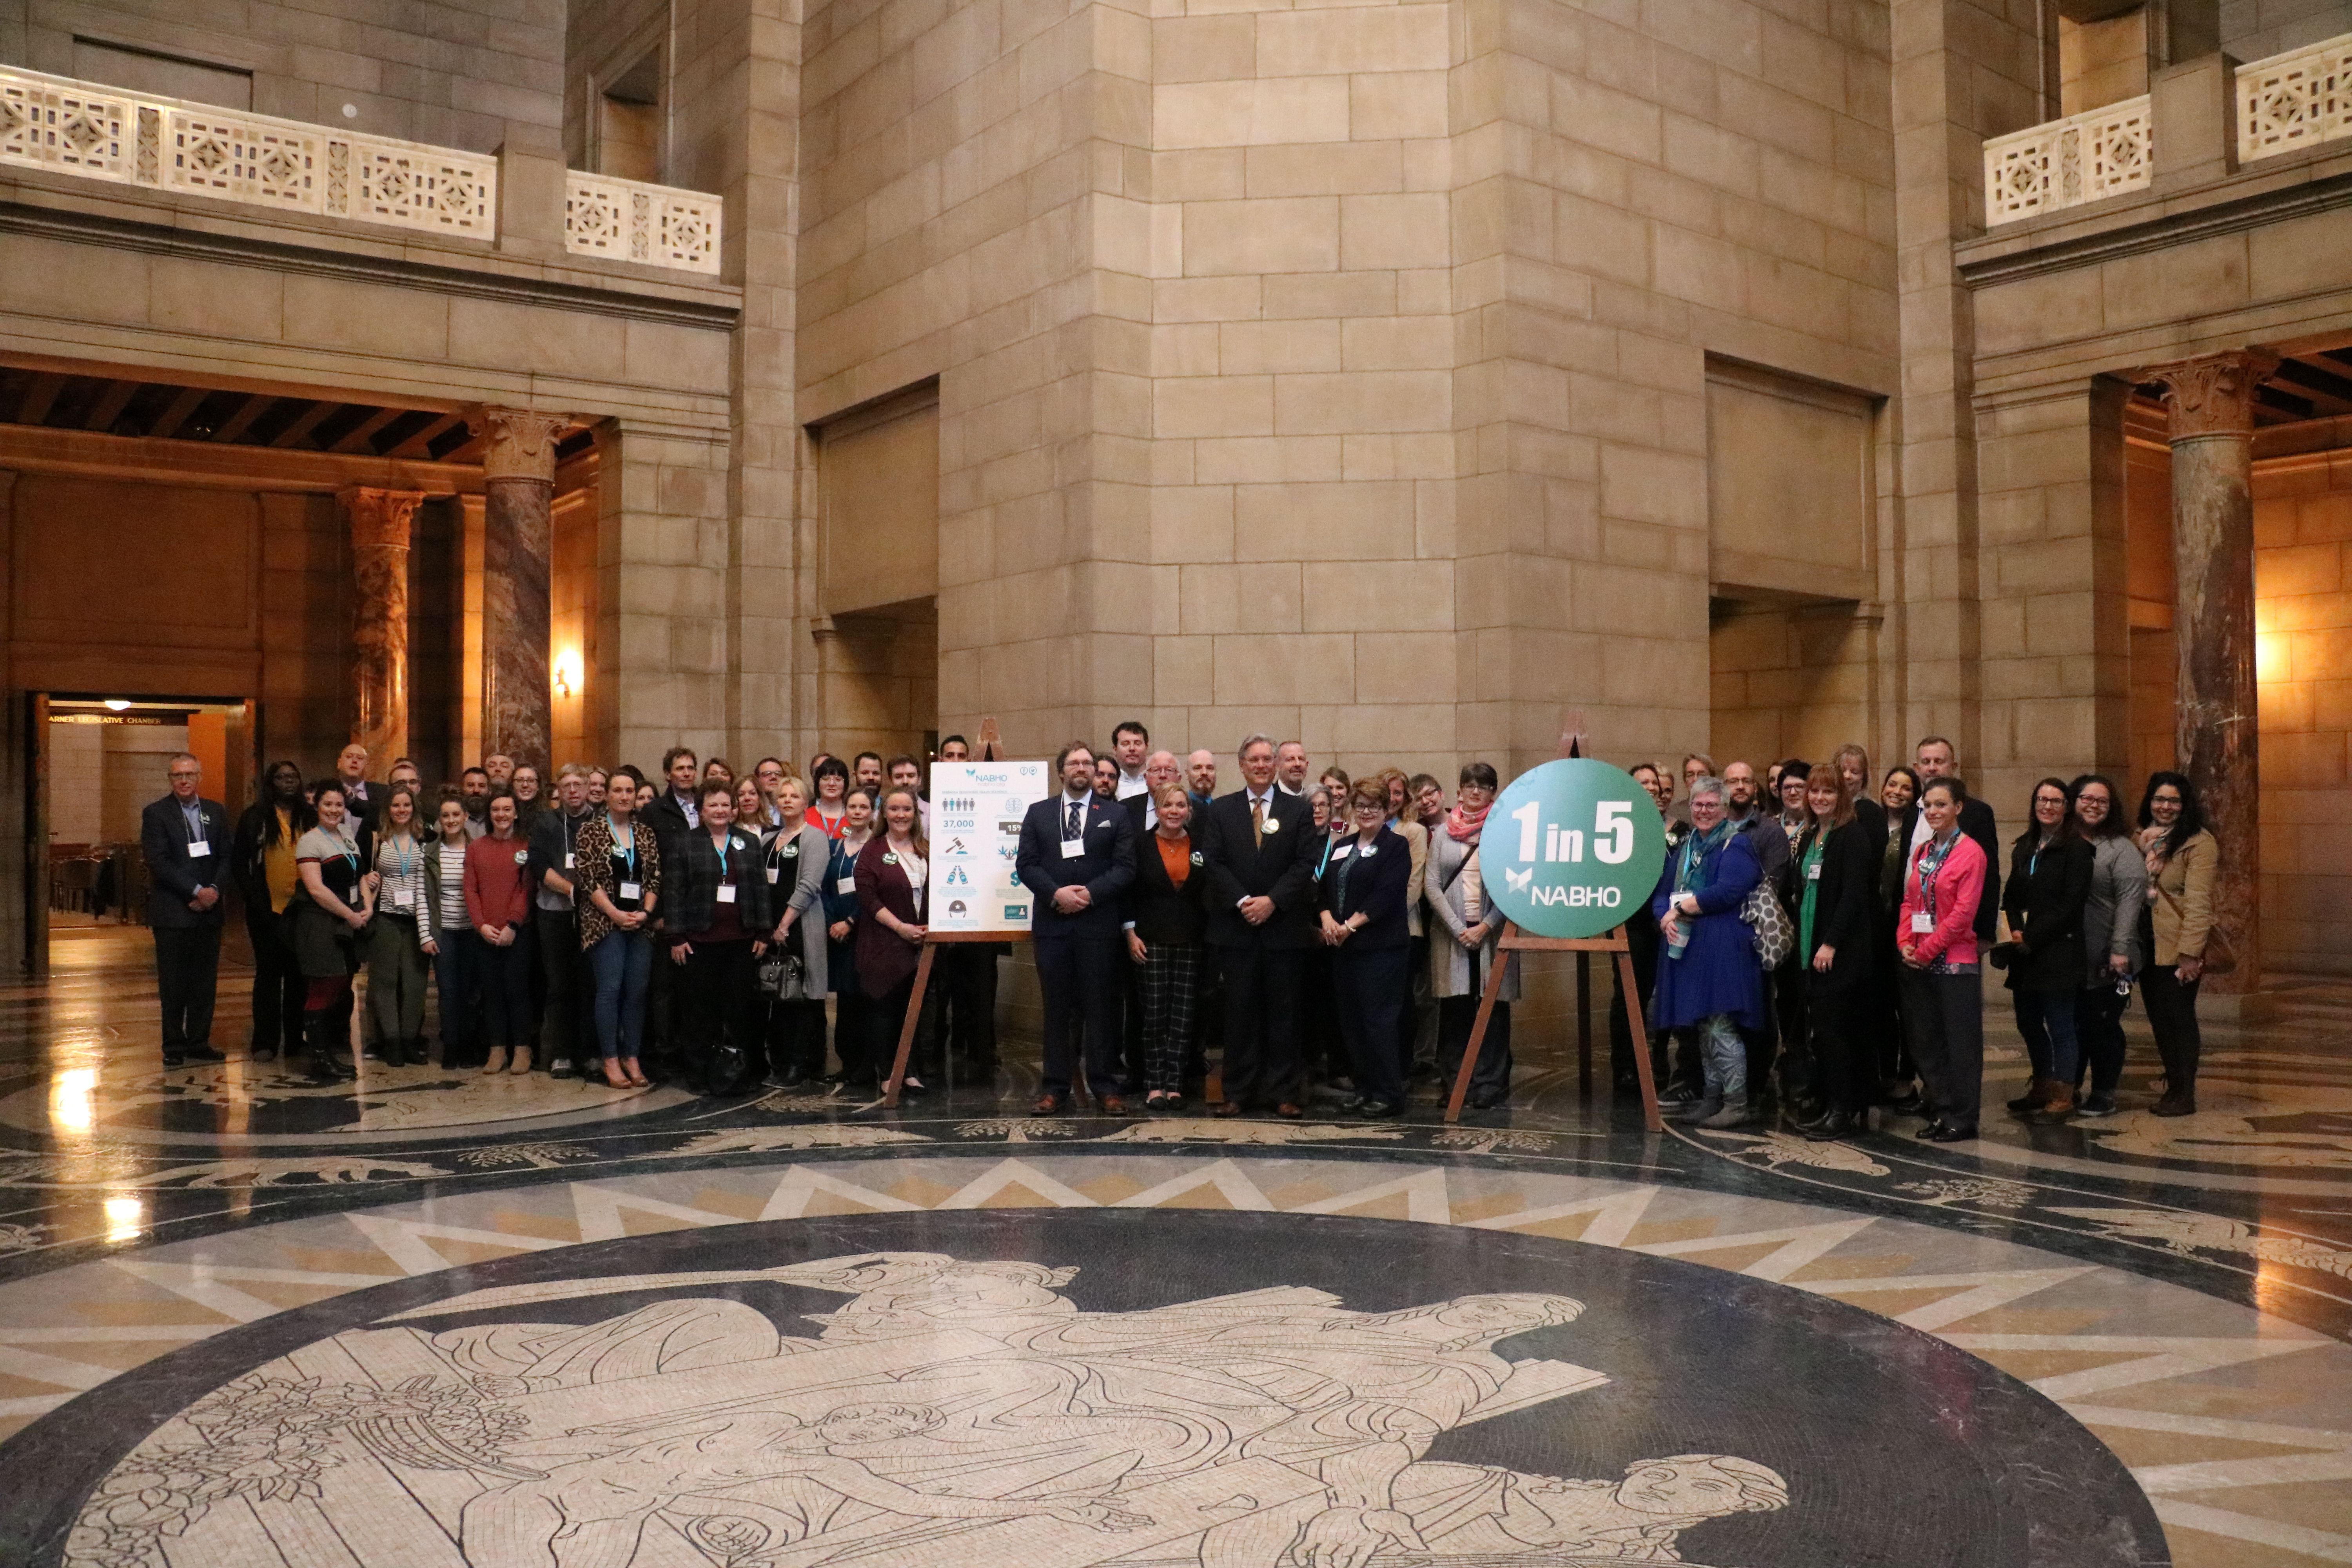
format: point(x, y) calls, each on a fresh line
point(1281, 868)
point(172, 874)
point(1105, 870)
point(1873, 817)
point(2044, 903)
point(1376, 888)
point(1976, 822)
point(362, 816)
point(1159, 909)
point(1845, 905)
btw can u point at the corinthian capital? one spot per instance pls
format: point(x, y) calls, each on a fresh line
point(2213, 394)
point(380, 517)
point(517, 443)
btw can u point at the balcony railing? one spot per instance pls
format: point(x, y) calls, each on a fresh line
point(628, 220)
point(2299, 98)
point(2100, 153)
point(2295, 100)
point(68, 127)
point(192, 149)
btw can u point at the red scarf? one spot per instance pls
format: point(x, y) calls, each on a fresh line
point(1462, 827)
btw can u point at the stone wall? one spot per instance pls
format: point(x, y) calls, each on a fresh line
point(454, 73)
point(2254, 29)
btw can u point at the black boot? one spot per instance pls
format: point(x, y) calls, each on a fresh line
point(317, 1031)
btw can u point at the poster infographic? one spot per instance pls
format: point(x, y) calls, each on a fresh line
point(976, 812)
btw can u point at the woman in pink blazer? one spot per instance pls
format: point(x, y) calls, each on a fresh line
point(1935, 934)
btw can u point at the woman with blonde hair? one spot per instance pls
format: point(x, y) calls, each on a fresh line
point(1405, 803)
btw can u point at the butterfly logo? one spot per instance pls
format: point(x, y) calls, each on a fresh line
point(1519, 881)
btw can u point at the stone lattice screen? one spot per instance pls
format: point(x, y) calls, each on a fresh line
point(166, 144)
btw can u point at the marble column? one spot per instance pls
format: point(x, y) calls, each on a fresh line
point(2217, 737)
point(379, 523)
point(518, 490)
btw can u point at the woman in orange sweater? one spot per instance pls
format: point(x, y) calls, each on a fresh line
point(497, 906)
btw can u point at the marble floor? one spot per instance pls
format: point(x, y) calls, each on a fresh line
point(435, 1320)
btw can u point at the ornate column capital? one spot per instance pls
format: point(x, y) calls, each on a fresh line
point(380, 517)
point(2212, 395)
point(517, 443)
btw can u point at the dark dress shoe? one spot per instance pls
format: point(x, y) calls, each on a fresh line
point(263, 1053)
point(1289, 1112)
point(793, 1078)
point(1485, 1098)
point(1051, 1104)
point(1378, 1108)
point(1112, 1105)
point(204, 1054)
point(173, 1059)
point(1226, 1107)
point(1907, 1103)
point(1829, 1127)
point(2175, 1103)
point(1945, 1133)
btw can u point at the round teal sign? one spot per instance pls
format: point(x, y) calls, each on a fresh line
point(1571, 849)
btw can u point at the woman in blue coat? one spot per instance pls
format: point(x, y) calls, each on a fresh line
point(1707, 975)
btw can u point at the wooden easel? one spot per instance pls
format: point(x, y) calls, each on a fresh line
point(990, 740)
point(1514, 939)
point(932, 940)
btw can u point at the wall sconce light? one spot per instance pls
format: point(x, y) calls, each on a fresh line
point(118, 704)
point(567, 675)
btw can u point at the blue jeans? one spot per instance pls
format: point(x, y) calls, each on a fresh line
point(623, 964)
point(2046, 1020)
point(1724, 1055)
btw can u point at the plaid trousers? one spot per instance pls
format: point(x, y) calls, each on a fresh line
point(1168, 984)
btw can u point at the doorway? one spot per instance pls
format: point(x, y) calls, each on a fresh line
point(99, 758)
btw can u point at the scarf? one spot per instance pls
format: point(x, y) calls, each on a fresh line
point(1695, 869)
point(1462, 826)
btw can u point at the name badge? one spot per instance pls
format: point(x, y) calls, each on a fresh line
point(1073, 848)
point(1923, 921)
point(568, 860)
point(726, 892)
point(396, 898)
point(1345, 850)
point(522, 857)
point(633, 890)
point(1272, 825)
point(1813, 872)
point(772, 875)
point(846, 884)
point(199, 847)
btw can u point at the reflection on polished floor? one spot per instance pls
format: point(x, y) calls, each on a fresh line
point(430, 1319)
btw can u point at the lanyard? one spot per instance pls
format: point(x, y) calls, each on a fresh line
point(726, 861)
point(1931, 860)
point(402, 861)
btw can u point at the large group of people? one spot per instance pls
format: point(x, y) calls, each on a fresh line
point(1814, 948)
point(1827, 957)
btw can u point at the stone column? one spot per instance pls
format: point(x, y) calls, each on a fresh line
point(380, 522)
point(518, 488)
point(2216, 734)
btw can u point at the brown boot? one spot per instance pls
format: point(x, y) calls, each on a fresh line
point(2057, 1106)
point(2036, 1095)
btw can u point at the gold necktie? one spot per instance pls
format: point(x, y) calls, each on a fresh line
point(1257, 821)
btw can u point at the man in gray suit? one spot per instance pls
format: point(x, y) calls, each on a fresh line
point(186, 839)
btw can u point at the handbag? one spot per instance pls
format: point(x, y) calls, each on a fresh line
point(2219, 957)
point(1770, 924)
point(785, 976)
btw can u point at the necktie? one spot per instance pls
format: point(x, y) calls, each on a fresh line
point(1071, 830)
point(1257, 821)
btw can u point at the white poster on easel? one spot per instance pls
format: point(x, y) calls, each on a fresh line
point(976, 813)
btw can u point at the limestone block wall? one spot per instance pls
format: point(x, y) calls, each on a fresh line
point(2254, 29)
point(1337, 371)
point(1637, 189)
point(662, 584)
point(454, 73)
point(2303, 653)
point(1302, 502)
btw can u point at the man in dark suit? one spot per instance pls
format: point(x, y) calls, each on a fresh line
point(1258, 847)
point(1936, 758)
point(1076, 857)
point(185, 838)
point(675, 813)
point(363, 806)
